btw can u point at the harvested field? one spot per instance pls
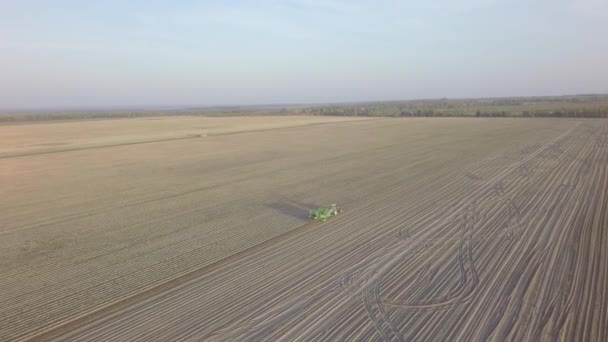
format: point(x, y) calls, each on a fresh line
point(452, 229)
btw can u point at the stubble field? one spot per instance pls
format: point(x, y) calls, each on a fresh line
point(197, 229)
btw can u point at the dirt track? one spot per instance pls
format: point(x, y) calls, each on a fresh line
point(453, 229)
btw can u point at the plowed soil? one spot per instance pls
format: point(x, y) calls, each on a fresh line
point(197, 229)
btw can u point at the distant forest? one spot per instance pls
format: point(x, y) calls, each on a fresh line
point(575, 106)
point(579, 106)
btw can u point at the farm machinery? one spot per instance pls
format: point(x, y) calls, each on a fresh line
point(323, 213)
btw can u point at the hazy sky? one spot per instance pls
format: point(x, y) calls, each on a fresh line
point(113, 53)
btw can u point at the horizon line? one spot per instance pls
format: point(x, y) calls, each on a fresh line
point(250, 106)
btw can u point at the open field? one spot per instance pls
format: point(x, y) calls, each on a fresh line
point(40, 138)
point(452, 229)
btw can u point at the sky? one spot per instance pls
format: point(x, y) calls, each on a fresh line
point(170, 53)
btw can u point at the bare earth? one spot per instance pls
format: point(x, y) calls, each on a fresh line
point(196, 229)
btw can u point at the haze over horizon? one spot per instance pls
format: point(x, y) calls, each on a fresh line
point(155, 53)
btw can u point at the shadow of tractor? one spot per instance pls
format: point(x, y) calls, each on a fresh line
point(293, 208)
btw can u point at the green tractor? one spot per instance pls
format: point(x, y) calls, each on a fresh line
point(323, 213)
